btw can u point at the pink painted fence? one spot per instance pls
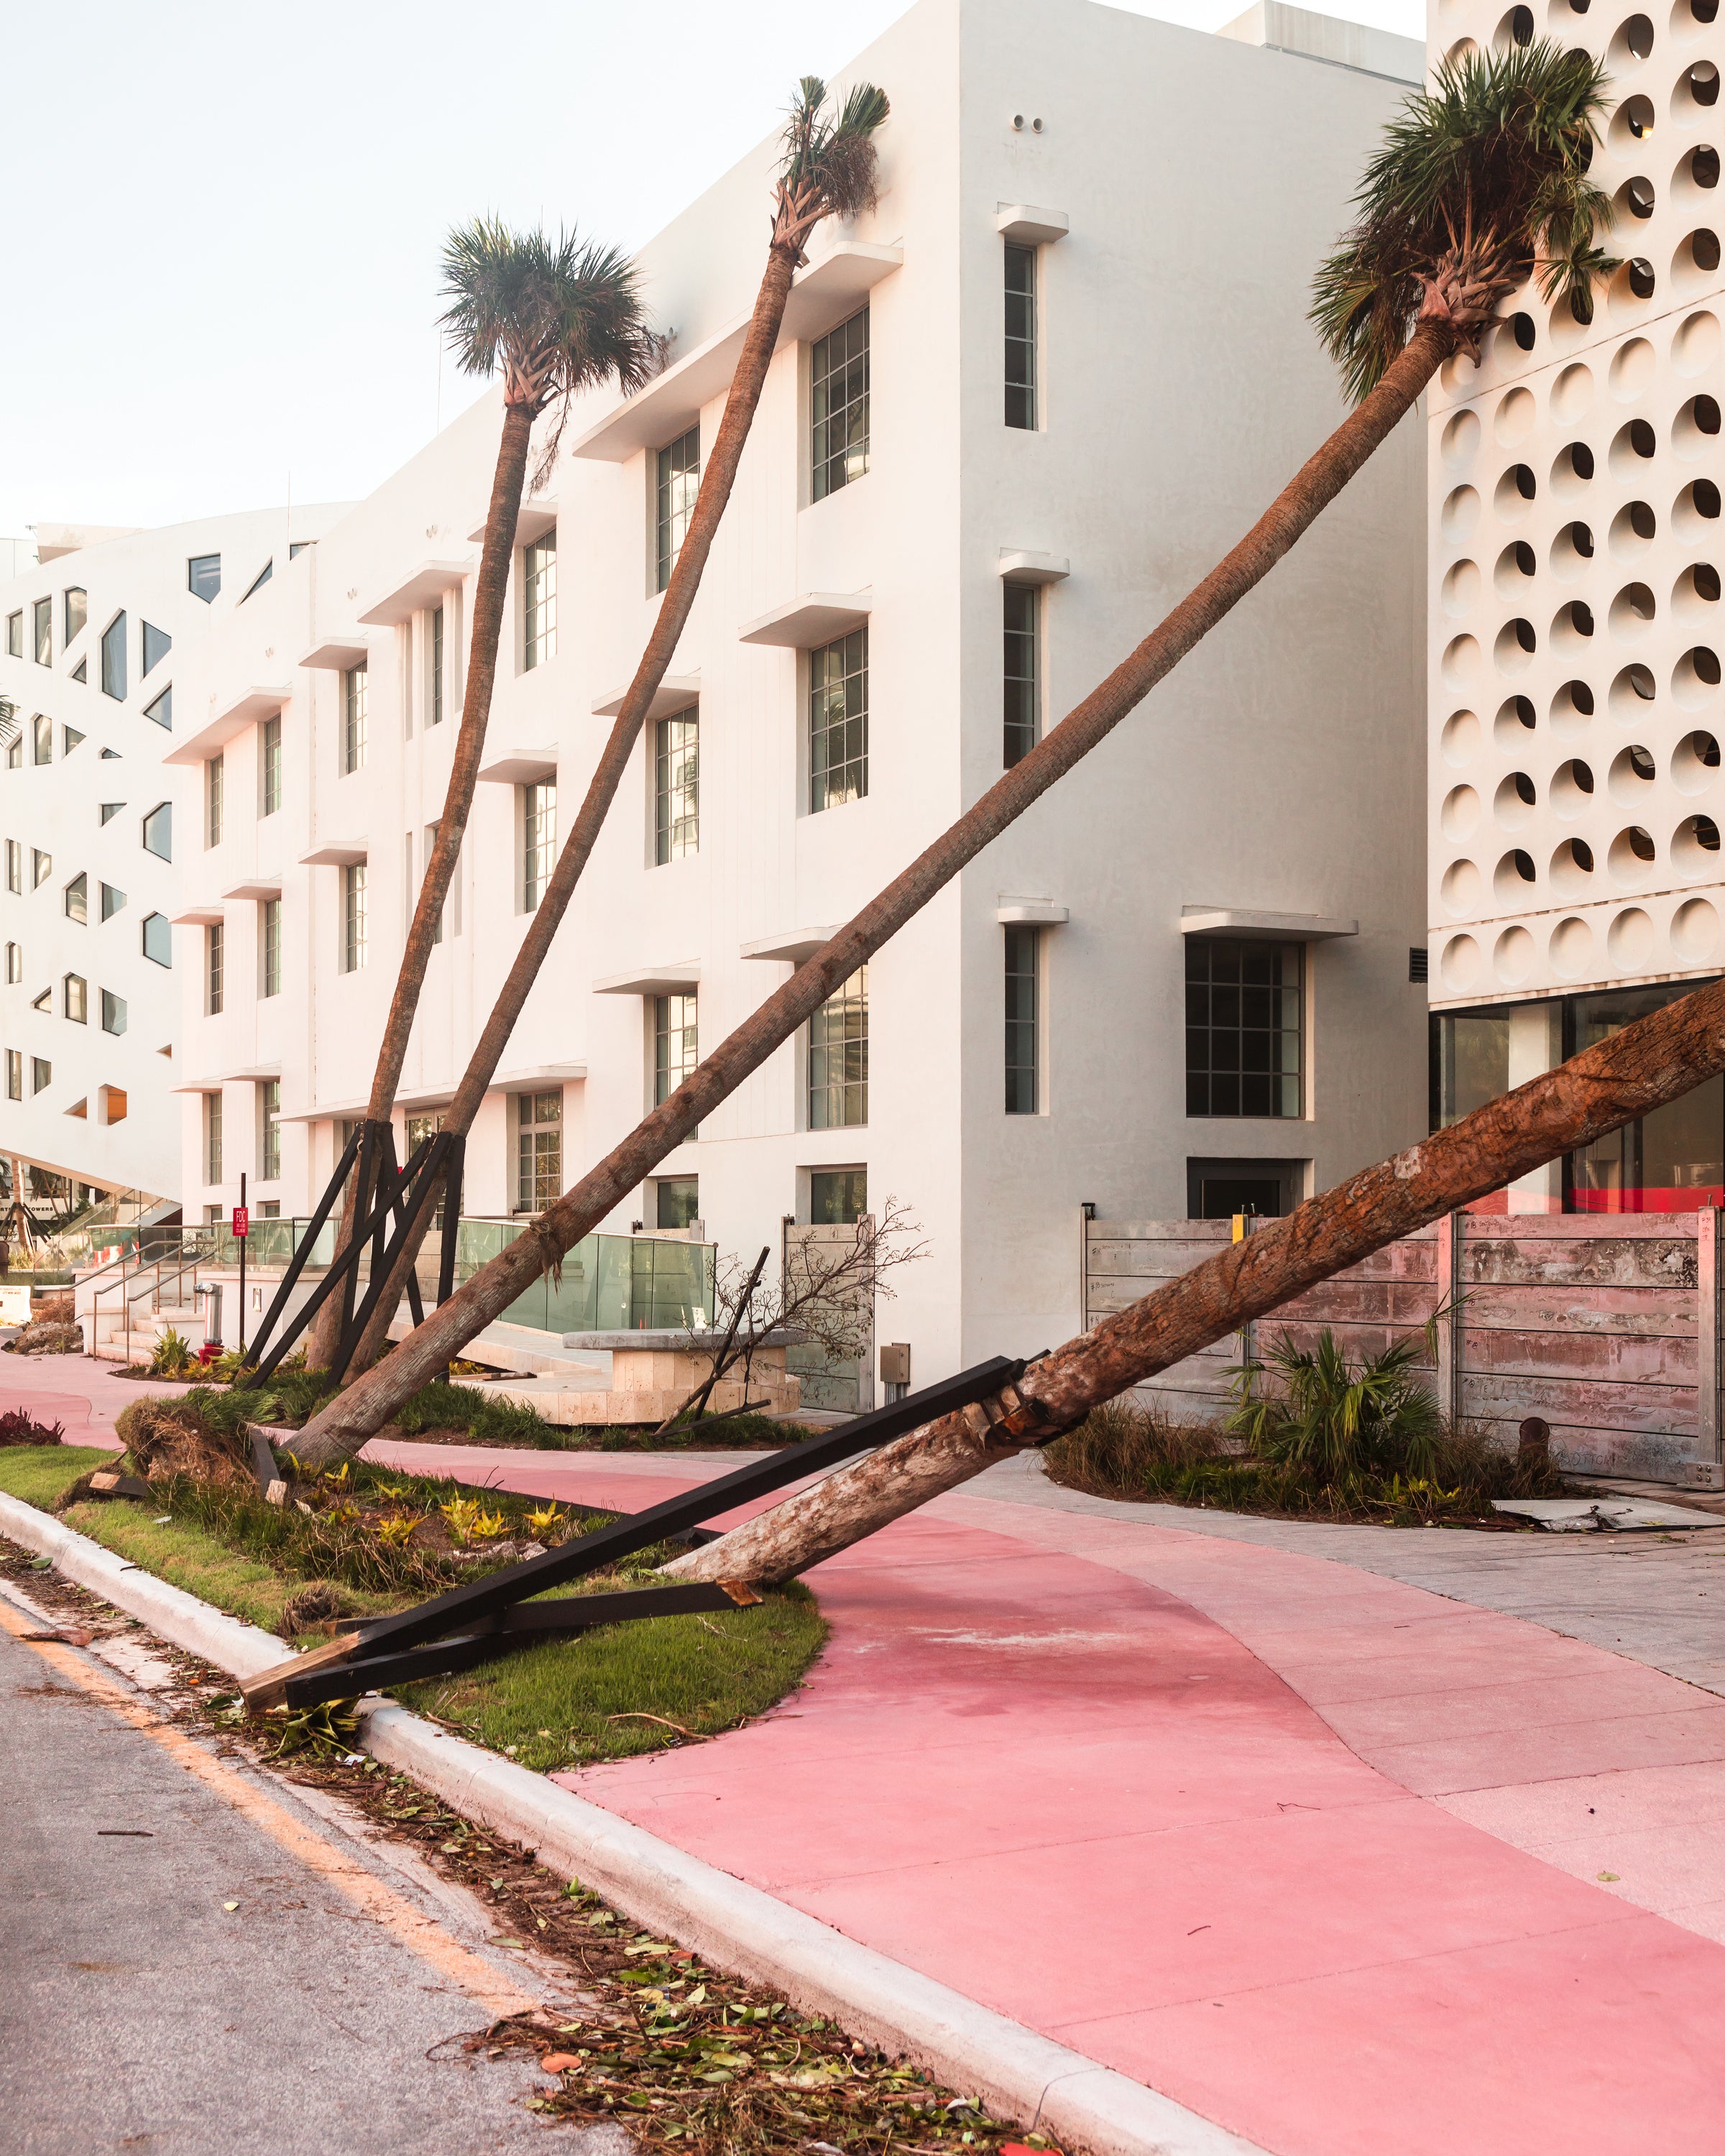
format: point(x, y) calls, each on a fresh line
point(1602, 1324)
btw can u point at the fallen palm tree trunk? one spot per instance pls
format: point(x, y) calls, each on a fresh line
point(1657, 1060)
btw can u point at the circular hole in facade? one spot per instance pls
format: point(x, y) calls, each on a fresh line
point(1629, 941)
point(1572, 791)
point(1571, 471)
point(1572, 948)
point(1516, 332)
point(1632, 772)
point(1515, 494)
point(1572, 626)
point(1512, 725)
point(1634, 197)
point(1571, 709)
point(1460, 439)
point(1513, 420)
point(1517, 28)
point(1461, 588)
point(1633, 689)
point(1516, 644)
point(1461, 53)
point(1695, 846)
point(1696, 508)
point(1697, 428)
point(1514, 801)
point(1572, 865)
point(1632, 529)
point(1695, 931)
point(1632, 285)
point(1696, 92)
point(1461, 739)
point(1696, 593)
point(1633, 445)
point(1459, 812)
point(1462, 966)
point(1696, 677)
point(1516, 564)
point(1696, 346)
point(1512, 957)
point(1631, 123)
point(1632, 611)
point(1571, 552)
point(1630, 857)
point(1460, 513)
point(1573, 393)
point(1462, 889)
point(1696, 260)
point(1632, 370)
point(1513, 876)
point(1460, 661)
point(1571, 314)
point(1632, 45)
point(1695, 764)
point(1690, 18)
point(1700, 168)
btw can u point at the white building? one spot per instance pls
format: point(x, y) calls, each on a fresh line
point(95, 631)
point(1018, 409)
point(1574, 684)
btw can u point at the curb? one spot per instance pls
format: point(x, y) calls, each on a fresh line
point(1015, 2069)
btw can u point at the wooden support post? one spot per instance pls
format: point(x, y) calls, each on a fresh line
point(1707, 1469)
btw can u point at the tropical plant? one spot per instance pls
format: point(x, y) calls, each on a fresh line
point(1495, 218)
point(552, 317)
point(827, 169)
point(172, 1357)
point(1336, 1418)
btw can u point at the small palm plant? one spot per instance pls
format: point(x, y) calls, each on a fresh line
point(1337, 1419)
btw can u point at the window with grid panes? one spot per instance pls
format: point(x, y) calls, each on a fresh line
point(1020, 336)
point(839, 407)
point(355, 690)
point(676, 787)
point(215, 773)
point(214, 968)
point(839, 722)
point(1020, 667)
point(539, 603)
point(434, 702)
point(676, 1043)
point(539, 840)
point(353, 916)
point(269, 767)
point(269, 948)
point(42, 625)
point(1242, 1027)
point(212, 1137)
point(1023, 953)
point(539, 1151)
point(838, 1057)
point(269, 1130)
point(679, 481)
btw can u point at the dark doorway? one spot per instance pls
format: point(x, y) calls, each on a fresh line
point(1218, 1189)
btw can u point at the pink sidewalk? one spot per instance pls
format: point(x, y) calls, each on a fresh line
point(1313, 1852)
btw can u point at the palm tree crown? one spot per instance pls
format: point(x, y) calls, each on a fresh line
point(1481, 184)
point(557, 316)
point(829, 167)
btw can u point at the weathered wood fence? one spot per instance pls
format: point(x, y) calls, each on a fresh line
point(1605, 1324)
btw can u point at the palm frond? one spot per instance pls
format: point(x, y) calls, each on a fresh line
point(829, 164)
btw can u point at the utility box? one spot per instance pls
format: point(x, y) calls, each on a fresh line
point(896, 1363)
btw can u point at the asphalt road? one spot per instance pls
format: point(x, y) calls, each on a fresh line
point(139, 2013)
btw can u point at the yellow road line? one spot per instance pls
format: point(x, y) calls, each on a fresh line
point(363, 1888)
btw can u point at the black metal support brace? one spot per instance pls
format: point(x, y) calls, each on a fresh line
point(290, 1279)
point(385, 1254)
point(456, 1161)
point(361, 1199)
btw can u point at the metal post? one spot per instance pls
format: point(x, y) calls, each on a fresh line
point(1708, 1472)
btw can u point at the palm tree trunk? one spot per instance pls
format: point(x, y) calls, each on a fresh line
point(490, 589)
point(346, 1423)
point(1648, 1064)
point(718, 479)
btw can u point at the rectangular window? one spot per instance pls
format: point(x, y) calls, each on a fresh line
point(677, 1049)
point(678, 483)
point(676, 787)
point(112, 901)
point(434, 700)
point(355, 684)
point(838, 1057)
point(1242, 1027)
point(427, 842)
point(539, 840)
point(353, 916)
point(113, 659)
point(269, 767)
point(42, 630)
point(1023, 953)
point(269, 948)
point(677, 1202)
point(269, 1130)
point(839, 722)
point(76, 900)
point(1020, 336)
point(42, 739)
point(839, 407)
point(215, 776)
point(1021, 700)
point(14, 866)
point(76, 999)
point(539, 1151)
point(212, 1137)
point(14, 1074)
point(113, 1013)
point(14, 964)
point(539, 587)
point(41, 1074)
point(77, 610)
point(838, 1196)
point(15, 635)
point(215, 939)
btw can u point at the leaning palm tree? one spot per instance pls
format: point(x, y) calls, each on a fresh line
point(827, 169)
point(1482, 185)
point(553, 317)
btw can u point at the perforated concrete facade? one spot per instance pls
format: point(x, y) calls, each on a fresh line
point(1575, 560)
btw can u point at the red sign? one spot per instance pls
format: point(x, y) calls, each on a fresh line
point(242, 1221)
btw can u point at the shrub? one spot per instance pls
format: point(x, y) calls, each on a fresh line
point(18, 1428)
point(1336, 1418)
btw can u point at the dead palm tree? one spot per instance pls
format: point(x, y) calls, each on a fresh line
point(827, 169)
point(1483, 178)
point(552, 317)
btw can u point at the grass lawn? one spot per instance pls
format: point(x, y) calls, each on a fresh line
point(619, 1690)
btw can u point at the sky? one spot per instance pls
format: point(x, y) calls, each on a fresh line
point(225, 220)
